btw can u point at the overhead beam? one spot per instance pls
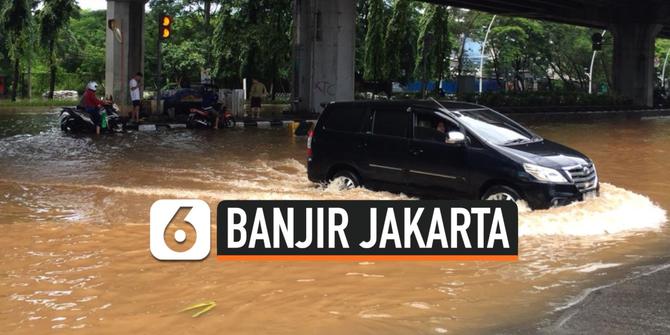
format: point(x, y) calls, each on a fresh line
point(601, 14)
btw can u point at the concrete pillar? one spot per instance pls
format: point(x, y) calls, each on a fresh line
point(324, 52)
point(633, 65)
point(124, 55)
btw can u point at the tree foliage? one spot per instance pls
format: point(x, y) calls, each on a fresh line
point(252, 39)
point(16, 20)
point(399, 42)
point(53, 18)
point(433, 47)
point(374, 41)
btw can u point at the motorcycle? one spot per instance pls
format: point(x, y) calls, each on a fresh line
point(207, 117)
point(77, 120)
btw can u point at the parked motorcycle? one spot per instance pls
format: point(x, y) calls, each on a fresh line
point(77, 120)
point(201, 118)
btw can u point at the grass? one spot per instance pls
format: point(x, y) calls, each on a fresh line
point(37, 103)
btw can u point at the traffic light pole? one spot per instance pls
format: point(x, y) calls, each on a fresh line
point(158, 74)
point(593, 59)
point(158, 66)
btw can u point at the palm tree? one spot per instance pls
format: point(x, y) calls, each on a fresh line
point(15, 18)
point(53, 17)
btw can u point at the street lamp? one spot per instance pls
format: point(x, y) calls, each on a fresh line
point(481, 56)
point(665, 62)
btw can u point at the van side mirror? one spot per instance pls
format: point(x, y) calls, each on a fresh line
point(455, 137)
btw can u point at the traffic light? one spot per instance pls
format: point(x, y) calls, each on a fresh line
point(597, 40)
point(165, 26)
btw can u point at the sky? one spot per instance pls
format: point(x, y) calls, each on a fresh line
point(93, 4)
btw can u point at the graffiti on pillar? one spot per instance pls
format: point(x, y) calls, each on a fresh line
point(326, 88)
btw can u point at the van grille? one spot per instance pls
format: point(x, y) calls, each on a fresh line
point(583, 176)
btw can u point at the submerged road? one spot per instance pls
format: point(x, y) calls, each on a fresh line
point(74, 213)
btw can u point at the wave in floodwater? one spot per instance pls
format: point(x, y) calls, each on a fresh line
point(616, 210)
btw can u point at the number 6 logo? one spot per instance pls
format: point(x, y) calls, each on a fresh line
point(162, 213)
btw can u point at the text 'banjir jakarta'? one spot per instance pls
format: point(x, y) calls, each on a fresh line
point(367, 228)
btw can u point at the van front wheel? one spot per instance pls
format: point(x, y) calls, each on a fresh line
point(346, 180)
point(501, 193)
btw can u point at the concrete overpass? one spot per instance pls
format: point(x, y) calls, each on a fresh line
point(324, 41)
point(635, 24)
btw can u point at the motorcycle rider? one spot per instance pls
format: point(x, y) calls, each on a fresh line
point(92, 104)
point(209, 100)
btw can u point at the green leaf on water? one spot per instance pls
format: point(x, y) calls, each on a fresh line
point(203, 308)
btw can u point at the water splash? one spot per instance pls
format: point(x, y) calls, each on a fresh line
point(616, 210)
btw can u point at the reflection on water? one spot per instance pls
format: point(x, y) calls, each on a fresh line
point(74, 213)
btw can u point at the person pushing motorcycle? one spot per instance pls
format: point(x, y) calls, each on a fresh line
point(92, 104)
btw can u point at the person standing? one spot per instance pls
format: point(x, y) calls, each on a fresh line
point(258, 92)
point(135, 96)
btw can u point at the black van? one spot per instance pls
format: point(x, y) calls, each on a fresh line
point(449, 150)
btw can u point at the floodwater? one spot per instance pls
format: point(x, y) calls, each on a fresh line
point(75, 236)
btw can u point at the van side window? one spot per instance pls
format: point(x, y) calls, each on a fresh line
point(367, 121)
point(429, 126)
point(345, 119)
point(390, 123)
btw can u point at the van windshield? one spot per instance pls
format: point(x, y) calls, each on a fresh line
point(495, 128)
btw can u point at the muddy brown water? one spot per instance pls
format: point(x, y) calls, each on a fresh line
point(74, 218)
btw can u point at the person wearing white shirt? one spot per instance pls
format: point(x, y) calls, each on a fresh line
point(135, 95)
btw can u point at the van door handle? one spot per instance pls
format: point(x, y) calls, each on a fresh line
point(417, 152)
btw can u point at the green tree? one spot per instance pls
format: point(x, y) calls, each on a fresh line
point(398, 42)
point(374, 42)
point(5, 62)
point(433, 47)
point(463, 25)
point(206, 7)
point(252, 39)
point(442, 45)
point(181, 62)
point(519, 49)
point(54, 16)
point(361, 29)
point(16, 17)
point(662, 53)
point(565, 53)
point(227, 62)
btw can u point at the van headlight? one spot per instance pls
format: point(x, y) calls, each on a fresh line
point(542, 173)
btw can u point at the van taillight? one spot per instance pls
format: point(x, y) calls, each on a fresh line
point(310, 136)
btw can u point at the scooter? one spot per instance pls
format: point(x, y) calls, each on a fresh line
point(207, 117)
point(77, 120)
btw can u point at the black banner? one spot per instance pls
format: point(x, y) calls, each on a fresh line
point(367, 228)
